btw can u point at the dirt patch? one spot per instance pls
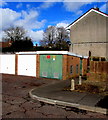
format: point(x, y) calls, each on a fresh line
point(88, 88)
point(83, 88)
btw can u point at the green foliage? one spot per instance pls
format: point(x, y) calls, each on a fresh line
point(22, 45)
point(17, 46)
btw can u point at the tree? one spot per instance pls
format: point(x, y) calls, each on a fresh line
point(18, 38)
point(55, 37)
point(22, 45)
point(15, 33)
point(48, 37)
point(62, 38)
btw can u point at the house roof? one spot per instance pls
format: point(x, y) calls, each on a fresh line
point(5, 44)
point(85, 14)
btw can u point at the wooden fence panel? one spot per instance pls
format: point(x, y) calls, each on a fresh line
point(99, 66)
point(91, 66)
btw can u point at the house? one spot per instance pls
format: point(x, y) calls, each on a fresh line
point(88, 34)
point(5, 44)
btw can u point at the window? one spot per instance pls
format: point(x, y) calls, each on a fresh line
point(76, 69)
point(71, 69)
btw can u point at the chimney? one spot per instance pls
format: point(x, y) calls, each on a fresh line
point(96, 8)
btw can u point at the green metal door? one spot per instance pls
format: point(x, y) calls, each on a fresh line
point(51, 66)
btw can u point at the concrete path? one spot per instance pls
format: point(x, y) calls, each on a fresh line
point(17, 104)
point(54, 94)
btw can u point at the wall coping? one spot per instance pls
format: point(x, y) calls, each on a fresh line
point(52, 52)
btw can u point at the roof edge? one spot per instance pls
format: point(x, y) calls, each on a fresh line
point(51, 52)
point(92, 9)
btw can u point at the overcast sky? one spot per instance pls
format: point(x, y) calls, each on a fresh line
point(35, 17)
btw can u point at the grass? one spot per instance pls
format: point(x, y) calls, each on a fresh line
point(92, 87)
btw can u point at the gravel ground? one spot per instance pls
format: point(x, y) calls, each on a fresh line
point(16, 102)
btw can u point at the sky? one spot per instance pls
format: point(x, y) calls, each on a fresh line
point(36, 15)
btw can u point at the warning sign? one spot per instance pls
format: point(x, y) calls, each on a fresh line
point(48, 56)
point(54, 57)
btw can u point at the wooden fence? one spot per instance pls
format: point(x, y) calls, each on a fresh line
point(98, 71)
point(99, 66)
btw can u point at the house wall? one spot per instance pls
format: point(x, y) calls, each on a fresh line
point(89, 34)
point(97, 49)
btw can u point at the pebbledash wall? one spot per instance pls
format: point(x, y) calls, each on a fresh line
point(88, 34)
point(48, 64)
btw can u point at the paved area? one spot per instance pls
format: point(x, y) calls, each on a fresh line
point(16, 102)
point(55, 94)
